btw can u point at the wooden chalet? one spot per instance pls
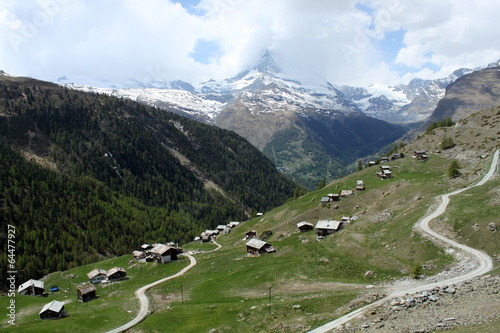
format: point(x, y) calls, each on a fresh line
point(334, 196)
point(208, 235)
point(305, 226)
point(384, 159)
point(395, 157)
point(327, 227)
point(346, 193)
point(251, 234)
point(325, 200)
point(138, 255)
point(360, 186)
point(86, 293)
point(116, 273)
point(233, 224)
point(146, 247)
point(385, 172)
point(223, 229)
point(32, 288)
point(420, 155)
point(258, 247)
point(164, 253)
point(97, 275)
point(53, 310)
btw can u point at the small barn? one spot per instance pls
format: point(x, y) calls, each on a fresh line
point(138, 255)
point(327, 227)
point(97, 275)
point(345, 220)
point(86, 293)
point(251, 234)
point(384, 159)
point(346, 193)
point(360, 185)
point(325, 200)
point(258, 247)
point(420, 155)
point(305, 226)
point(53, 310)
point(32, 288)
point(116, 273)
point(223, 229)
point(164, 253)
point(146, 247)
point(334, 196)
point(233, 224)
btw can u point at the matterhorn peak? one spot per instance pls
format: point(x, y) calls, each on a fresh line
point(267, 65)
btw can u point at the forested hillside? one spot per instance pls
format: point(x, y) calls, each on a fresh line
point(85, 176)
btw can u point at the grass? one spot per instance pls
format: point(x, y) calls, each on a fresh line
point(229, 291)
point(468, 225)
point(116, 304)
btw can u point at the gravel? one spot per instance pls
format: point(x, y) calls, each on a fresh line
point(473, 302)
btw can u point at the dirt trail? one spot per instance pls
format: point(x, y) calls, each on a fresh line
point(483, 262)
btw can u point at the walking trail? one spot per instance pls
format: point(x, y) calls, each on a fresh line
point(143, 299)
point(484, 262)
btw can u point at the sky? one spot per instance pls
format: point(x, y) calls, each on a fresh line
point(344, 41)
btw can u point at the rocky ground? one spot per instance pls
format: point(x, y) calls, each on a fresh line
point(474, 302)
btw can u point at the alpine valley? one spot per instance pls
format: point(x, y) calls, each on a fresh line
point(310, 128)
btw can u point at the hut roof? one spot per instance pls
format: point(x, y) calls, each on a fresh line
point(31, 282)
point(54, 306)
point(256, 243)
point(328, 224)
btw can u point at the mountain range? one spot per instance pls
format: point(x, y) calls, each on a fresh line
point(310, 128)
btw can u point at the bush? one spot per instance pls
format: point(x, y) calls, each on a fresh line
point(416, 270)
point(454, 169)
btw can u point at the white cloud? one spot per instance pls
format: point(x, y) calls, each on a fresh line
point(155, 39)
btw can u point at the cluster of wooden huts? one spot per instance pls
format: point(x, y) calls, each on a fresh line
point(208, 235)
point(324, 227)
point(162, 253)
point(52, 310)
point(256, 246)
point(98, 275)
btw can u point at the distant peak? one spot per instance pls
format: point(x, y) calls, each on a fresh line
point(266, 64)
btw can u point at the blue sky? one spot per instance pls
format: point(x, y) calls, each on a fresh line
point(346, 42)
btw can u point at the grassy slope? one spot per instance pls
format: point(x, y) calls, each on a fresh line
point(115, 305)
point(229, 291)
point(222, 290)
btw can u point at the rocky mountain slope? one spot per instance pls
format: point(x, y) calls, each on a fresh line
point(471, 93)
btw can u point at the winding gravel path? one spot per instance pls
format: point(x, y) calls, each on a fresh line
point(143, 299)
point(484, 262)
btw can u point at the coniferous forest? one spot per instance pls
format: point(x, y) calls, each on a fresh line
point(87, 176)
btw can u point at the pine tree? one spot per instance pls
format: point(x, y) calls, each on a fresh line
point(454, 169)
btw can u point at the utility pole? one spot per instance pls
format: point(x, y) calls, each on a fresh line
point(269, 300)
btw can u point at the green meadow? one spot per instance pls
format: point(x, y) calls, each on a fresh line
point(306, 283)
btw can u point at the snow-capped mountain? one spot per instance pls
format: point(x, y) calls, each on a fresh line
point(307, 125)
point(410, 102)
point(296, 123)
point(264, 82)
